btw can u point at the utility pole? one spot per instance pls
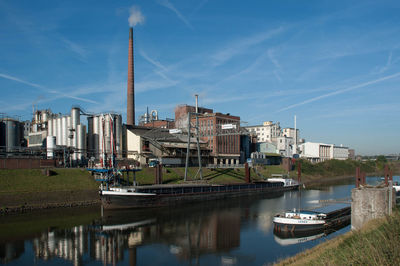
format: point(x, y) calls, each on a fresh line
point(197, 137)
point(188, 147)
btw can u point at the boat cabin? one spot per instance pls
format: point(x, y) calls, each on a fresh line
point(309, 215)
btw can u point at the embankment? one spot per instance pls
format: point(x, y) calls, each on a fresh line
point(377, 243)
point(27, 189)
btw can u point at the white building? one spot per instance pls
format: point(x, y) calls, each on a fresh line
point(285, 146)
point(267, 132)
point(319, 152)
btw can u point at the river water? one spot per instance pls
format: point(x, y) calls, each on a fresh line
point(228, 232)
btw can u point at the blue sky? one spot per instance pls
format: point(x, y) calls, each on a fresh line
point(333, 64)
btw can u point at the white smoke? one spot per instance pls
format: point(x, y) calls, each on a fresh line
point(135, 16)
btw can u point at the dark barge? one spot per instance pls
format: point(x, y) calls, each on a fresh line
point(164, 195)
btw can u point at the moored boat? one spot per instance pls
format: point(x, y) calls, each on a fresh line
point(164, 195)
point(311, 220)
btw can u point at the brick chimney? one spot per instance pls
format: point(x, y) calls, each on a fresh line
point(130, 110)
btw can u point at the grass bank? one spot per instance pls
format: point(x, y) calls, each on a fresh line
point(377, 243)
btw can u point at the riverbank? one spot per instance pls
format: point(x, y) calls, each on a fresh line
point(29, 189)
point(377, 243)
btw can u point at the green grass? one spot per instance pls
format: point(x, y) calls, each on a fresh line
point(376, 244)
point(32, 180)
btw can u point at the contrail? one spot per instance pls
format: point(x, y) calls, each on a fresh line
point(62, 95)
point(340, 91)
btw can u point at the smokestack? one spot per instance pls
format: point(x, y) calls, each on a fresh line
point(130, 112)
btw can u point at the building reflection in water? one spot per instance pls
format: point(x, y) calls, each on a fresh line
point(107, 242)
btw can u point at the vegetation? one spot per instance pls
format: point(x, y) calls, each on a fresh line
point(33, 180)
point(378, 243)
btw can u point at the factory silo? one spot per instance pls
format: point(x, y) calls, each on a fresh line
point(12, 134)
point(118, 135)
point(50, 146)
point(96, 137)
point(90, 147)
point(54, 126)
point(64, 131)
point(69, 131)
point(101, 136)
point(107, 133)
point(2, 135)
point(81, 141)
point(59, 131)
point(50, 127)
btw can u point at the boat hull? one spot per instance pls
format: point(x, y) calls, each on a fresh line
point(282, 224)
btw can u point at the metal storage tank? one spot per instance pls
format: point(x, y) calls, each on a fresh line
point(54, 126)
point(64, 131)
point(107, 133)
point(81, 141)
point(50, 127)
point(45, 116)
point(59, 131)
point(90, 136)
point(96, 143)
point(50, 146)
point(75, 117)
point(69, 131)
point(101, 135)
point(118, 134)
point(12, 134)
point(2, 135)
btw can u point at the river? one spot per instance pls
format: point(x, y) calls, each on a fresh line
point(228, 232)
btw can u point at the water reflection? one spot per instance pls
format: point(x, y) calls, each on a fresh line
point(226, 232)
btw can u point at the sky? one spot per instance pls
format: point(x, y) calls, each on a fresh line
point(333, 64)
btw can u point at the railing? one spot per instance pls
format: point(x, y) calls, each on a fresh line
point(225, 166)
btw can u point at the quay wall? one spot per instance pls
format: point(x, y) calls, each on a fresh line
point(370, 203)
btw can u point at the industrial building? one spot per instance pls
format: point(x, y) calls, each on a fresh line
point(76, 141)
point(267, 132)
point(319, 152)
point(144, 144)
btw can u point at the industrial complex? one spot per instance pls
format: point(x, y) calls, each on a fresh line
point(79, 138)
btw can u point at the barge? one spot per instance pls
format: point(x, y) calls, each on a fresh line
point(115, 197)
point(311, 220)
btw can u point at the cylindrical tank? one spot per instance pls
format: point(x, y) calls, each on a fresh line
point(50, 145)
point(50, 127)
point(69, 131)
point(37, 117)
point(45, 116)
point(2, 135)
point(75, 117)
point(118, 135)
point(59, 131)
point(81, 141)
point(101, 135)
point(90, 136)
point(96, 143)
point(54, 126)
point(64, 131)
point(107, 133)
point(12, 134)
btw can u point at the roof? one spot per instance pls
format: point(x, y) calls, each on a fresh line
point(160, 134)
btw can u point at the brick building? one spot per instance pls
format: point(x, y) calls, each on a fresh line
point(219, 130)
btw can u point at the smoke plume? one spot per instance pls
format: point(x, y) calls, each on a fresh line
point(135, 16)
